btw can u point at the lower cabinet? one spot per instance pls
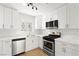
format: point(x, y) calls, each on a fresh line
point(59, 49)
point(1, 51)
point(72, 50)
point(5, 48)
point(40, 42)
point(66, 49)
point(31, 43)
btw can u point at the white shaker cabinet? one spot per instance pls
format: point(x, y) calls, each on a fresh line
point(7, 17)
point(5, 48)
point(61, 16)
point(38, 22)
point(16, 20)
point(66, 49)
point(31, 43)
point(35, 42)
point(40, 42)
point(68, 16)
point(28, 44)
point(1, 46)
point(59, 49)
point(1, 16)
point(72, 50)
point(62, 49)
point(73, 15)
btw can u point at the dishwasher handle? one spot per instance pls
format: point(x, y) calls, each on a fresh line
point(18, 39)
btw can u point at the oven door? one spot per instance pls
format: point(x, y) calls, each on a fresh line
point(48, 45)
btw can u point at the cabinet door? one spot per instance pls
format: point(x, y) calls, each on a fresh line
point(72, 50)
point(60, 49)
point(7, 17)
point(7, 48)
point(35, 42)
point(61, 14)
point(1, 16)
point(29, 44)
point(16, 20)
point(38, 22)
point(73, 15)
point(40, 42)
point(1, 46)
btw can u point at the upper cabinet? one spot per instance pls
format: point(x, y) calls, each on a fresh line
point(12, 19)
point(7, 17)
point(16, 20)
point(73, 16)
point(38, 22)
point(1, 16)
point(61, 16)
point(68, 16)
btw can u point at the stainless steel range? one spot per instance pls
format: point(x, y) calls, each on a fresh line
point(49, 44)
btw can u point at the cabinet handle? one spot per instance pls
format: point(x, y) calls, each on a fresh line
point(64, 49)
point(11, 45)
point(32, 41)
point(3, 26)
point(67, 25)
point(11, 26)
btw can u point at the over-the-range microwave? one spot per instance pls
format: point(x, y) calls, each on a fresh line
point(52, 24)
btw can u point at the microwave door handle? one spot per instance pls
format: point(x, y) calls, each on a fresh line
point(53, 23)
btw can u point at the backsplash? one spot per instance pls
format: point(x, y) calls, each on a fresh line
point(11, 32)
point(50, 31)
point(69, 31)
point(39, 31)
point(63, 31)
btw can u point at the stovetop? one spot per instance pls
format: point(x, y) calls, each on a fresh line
point(51, 37)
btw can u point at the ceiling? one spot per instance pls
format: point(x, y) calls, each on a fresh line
point(43, 8)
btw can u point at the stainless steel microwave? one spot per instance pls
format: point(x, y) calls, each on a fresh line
point(52, 24)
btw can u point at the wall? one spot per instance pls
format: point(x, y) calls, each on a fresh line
point(28, 19)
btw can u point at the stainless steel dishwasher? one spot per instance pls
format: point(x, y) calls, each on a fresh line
point(18, 46)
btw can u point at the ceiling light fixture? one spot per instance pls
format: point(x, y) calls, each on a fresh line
point(32, 5)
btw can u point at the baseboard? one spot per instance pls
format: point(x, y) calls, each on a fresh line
point(19, 54)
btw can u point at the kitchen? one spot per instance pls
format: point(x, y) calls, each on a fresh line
point(39, 29)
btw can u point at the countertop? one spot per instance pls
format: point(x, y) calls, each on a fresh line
point(11, 37)
point(40, 35)
point(73, 39)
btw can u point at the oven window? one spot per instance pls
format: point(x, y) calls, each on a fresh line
point(49, 45)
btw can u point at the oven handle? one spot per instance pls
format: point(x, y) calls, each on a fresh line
point(48, 41)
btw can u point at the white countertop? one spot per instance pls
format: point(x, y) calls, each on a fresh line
point(11, 37)
point(73, 39)
point(40, 35)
